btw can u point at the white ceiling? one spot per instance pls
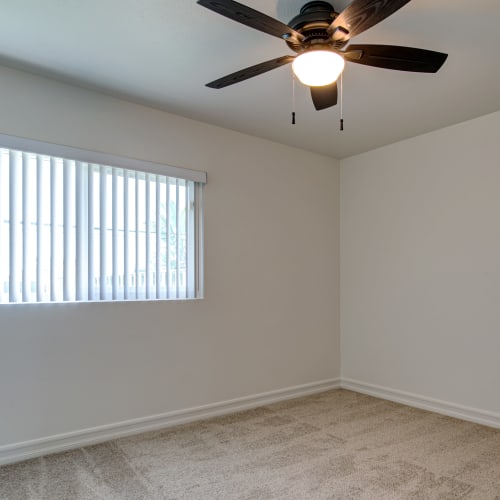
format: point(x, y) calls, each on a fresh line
point(162, 52)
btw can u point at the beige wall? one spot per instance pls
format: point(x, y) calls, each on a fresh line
point(270, 318)
point(420, 265)
point(420, 273)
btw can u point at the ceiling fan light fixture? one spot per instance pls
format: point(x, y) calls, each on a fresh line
point(316, 68)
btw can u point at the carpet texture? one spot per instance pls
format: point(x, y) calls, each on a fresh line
point(335, 445)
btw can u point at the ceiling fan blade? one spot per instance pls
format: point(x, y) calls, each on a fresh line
point(245, 74)
point(394, 57)
point(361, 15)
point(324, 97)
point(253, 18)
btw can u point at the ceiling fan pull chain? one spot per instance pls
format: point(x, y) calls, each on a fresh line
point(341, 102)
point(293, 98)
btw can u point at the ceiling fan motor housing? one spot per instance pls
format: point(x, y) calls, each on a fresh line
point(312, 22)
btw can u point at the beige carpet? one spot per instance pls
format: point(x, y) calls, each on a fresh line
point(336, 445)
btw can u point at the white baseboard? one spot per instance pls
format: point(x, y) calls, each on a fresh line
point(35, 448)
point(443, 407)
point(38, 447)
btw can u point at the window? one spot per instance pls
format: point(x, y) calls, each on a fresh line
point(82, 226)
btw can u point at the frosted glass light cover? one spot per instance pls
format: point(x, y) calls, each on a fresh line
point(317, 68)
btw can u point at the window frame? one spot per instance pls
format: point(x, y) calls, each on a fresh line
point(71, 153)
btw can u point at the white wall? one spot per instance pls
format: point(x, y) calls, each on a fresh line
point(420, 265)
point(270, 318)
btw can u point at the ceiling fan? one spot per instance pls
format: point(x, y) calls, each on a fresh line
point(319, 36)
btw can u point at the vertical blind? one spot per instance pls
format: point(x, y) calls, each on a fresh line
point(78, 231)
